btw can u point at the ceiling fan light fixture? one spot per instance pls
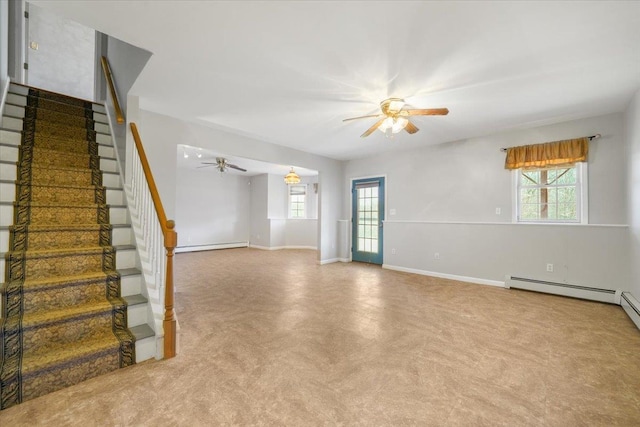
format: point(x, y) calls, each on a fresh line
point(395, 124)
point(291, 178)
point(395, 104)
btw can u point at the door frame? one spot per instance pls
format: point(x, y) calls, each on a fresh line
point(350, 198)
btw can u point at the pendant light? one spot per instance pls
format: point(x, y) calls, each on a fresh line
point(291, 178)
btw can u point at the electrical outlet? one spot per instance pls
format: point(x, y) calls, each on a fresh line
point(498, 211)
point(392, 211)
point(550, 268)
point(436, 255)
point(393, 251)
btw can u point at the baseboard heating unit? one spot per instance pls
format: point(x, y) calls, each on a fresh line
point(632, 307)
point(564, 289)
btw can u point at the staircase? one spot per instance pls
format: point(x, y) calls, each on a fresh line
point(72, 305)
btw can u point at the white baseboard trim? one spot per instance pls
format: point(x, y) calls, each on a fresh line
point(332, 260)
point(632, 307)
point(445, 276)
point(180, 249)
point(277, 248)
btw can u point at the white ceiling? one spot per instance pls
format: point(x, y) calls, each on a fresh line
point(253, 167)
point(289, 72)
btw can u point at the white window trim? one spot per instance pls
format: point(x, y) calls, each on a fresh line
point(306, 201)
point(582, 203)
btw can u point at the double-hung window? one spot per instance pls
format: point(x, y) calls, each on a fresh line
point(550, 181)
point(297, 201)
point(552, 194)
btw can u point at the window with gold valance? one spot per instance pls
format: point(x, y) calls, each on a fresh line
point(557, 153)
point(551, 180)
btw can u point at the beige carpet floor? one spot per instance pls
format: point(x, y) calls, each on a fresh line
point(271, 338)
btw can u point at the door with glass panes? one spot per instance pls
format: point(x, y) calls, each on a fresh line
point(367, 216)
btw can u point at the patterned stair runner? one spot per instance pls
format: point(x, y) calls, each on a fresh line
point(63, 319)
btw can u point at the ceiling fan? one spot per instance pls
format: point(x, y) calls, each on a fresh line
point(395, 117)
point(221, 164)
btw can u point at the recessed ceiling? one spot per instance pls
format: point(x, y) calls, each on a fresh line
point(188, 159)
point(289, 72)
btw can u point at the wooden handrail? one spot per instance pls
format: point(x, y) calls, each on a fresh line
point(147, 173)
point(112, 88)
point(170, 243)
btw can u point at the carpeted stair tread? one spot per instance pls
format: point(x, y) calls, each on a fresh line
point(52, 282)
point(56, 116)
point(65, 175)
point(63, 168)
point(98, 117)
point(61, 144)
point(66, 227)
point(65, 291)
point(50, 152)
point(47, 253)
point(62, 130)
point(57, 205)
point(69, 186)
point(52, 118)
point(60, 105)
point(62, 194)
point(67, 354)
point(42, 318)
point(44, 156)
point(41, 213)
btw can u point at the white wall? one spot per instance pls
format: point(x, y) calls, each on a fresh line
point(260, 226)
point(212, 208)
point(4, 43)
point(126, 62)
point(161, 134)
point(278, 197)
point(301, 233)
point(64, 61)
point(632, 137)
point(443, 194)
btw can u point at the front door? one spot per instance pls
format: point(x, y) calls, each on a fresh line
point(367, 216)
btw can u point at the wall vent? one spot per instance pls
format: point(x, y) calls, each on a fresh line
point(564, 289)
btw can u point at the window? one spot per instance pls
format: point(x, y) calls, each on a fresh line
point(297, 199)
point(552, 194)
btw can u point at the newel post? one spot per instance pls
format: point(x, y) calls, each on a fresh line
point(169, 323)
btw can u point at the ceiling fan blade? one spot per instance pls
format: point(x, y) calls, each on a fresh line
point(411, 128)
point(426, 112)
point(373, 128)
point(236, 167)
point(363, 117)
point(208, 163)
point(205, 166)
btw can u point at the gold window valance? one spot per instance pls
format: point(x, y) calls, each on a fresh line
point(557, 153)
